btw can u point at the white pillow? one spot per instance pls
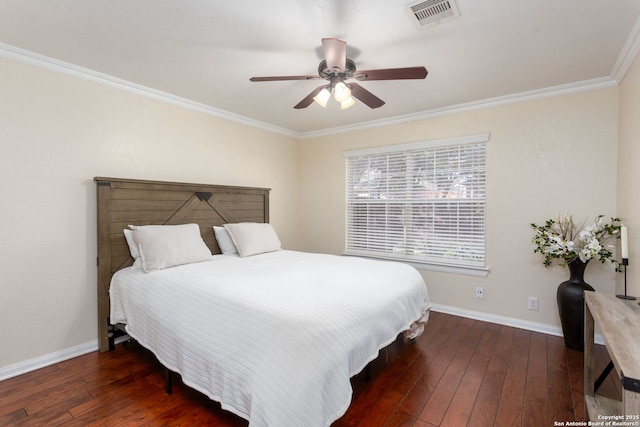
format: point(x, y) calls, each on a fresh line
point(163, 246)
point(224, 241)
point(252, 238)
point(133, 247)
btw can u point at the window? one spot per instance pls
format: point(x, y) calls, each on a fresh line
point(421, 202)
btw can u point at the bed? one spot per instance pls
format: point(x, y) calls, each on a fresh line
point(273, 335)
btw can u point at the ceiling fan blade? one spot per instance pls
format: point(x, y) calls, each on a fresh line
point(392, 74)
point(335, 52)
point(309, 98)
point(279, 78)
point(365, 96)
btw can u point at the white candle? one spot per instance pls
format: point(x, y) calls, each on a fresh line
point(624, 243)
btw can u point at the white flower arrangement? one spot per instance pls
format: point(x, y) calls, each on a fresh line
point(560, 239)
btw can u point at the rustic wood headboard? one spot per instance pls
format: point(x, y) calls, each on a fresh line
point(122, 202)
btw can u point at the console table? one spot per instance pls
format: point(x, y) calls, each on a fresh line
point(618, 321)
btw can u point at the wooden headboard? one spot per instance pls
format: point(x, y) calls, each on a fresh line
point(122, 202)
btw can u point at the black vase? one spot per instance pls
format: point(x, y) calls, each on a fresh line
point(570, 297)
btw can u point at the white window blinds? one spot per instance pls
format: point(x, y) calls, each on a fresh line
point(421, 202)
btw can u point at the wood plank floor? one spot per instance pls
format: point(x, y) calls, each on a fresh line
point(460, 372)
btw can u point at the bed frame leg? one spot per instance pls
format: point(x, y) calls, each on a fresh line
point(111, 336)
point(168, 380)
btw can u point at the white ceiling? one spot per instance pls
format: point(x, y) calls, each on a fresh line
point(205, 51)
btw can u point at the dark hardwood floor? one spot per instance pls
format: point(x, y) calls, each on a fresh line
point(460, 372)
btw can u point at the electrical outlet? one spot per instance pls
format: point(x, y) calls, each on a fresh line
point(479, 292)
point(533, 303)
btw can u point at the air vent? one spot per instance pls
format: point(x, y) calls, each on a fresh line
point(432, 12)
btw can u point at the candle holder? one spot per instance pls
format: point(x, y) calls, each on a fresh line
point(625, 262)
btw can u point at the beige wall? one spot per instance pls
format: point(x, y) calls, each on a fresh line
point(629, 172)
point(544, 157)
point(58, 132)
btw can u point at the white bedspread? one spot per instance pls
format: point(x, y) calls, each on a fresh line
point(273, 337)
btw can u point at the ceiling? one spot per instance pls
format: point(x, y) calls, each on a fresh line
point(204, 51)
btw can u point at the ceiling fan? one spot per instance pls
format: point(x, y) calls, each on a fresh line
point(337, 69)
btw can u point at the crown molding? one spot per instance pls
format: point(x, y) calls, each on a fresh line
point(51, 64)
point(625, 59)
point(628, 53)
point(586, 85)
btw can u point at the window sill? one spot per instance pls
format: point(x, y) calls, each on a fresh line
point(443, 268)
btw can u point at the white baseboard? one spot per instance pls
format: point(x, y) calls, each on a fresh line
point(69, 353)
point(46, 360)
point(506, 321)
point(51, 358)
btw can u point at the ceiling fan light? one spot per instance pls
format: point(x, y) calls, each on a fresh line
point(347, 103)
point(322, 97)
point(341, 92)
